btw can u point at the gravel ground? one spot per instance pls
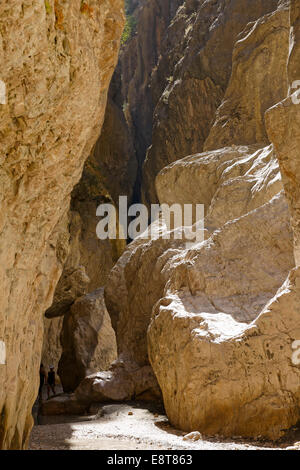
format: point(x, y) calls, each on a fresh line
point(125, 427)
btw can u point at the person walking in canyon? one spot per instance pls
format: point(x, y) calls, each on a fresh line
point(43, 379)
point(51, 381)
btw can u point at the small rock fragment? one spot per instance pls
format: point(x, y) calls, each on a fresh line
point(296, 446)
point(192, 436)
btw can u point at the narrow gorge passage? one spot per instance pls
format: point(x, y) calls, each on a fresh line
point(149, 225)
point(132, 426)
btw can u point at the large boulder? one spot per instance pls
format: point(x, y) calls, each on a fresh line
point(65, 404)
point(123, 382)
point(88, 340)
point(52, 349)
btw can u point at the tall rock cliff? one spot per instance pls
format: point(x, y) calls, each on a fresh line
point(200, 42)
point(142, 83)
point(109, 172)
point(57, 59)
point(217, 321)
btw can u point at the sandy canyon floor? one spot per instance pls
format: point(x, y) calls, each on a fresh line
point(132, 426)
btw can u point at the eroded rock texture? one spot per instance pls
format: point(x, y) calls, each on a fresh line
point(209, 96)
point(138, 61)
point(109, 172)
point(217, 321)
point(229, 378)
point(200, 42)
point(283, 128)
point(88, 340)
point(57, 59)
point(241, 380)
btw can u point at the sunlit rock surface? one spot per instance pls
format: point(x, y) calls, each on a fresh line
point(57, 59)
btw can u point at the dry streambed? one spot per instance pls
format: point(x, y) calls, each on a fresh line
point(126, 426)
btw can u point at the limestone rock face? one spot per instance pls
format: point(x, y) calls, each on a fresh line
point(220, 318)
point(88, 340)
point(52, 349)
point(229, 181)
point(200, 42)
point(109, 172)
point(138, 61)
point(225, 377)
point(62, 405)
point(231, 377)
point(124, 381)
point(57, 61)
point(259, 57)
point(283, 125)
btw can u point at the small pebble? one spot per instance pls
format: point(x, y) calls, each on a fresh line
point(296, 446)
point(192, 436)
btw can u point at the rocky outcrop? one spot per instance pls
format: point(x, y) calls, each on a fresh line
point(114, 157)
point(218, 320)
point(56, 71)
point(109, 172)
point(259, 57)
point(123, 382)
point(65, 404)
point(231, 377)
point(284, 131)
point(200, 41)
point(138, 62)
point(88, 340)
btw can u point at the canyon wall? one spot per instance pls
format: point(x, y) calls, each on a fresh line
point(57, 59)
point(200, 41)
point(216, 321)
point(109, 172)
point(203, 108)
